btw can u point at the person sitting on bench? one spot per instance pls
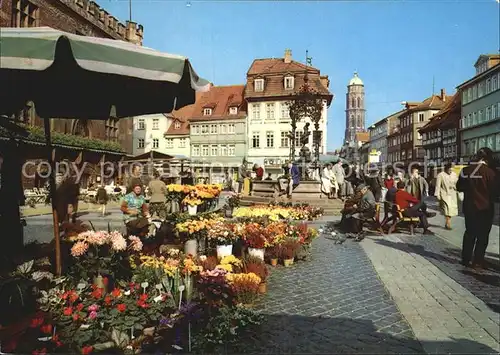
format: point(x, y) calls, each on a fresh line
point(354, 214)
point(135, 212)
point(411, 207)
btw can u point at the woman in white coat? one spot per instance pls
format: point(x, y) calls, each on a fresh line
point(446, 193)
point(328, 182)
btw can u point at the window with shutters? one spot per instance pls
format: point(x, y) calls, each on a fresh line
point(25, 14)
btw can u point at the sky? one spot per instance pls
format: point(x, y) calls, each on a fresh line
point(398, 47)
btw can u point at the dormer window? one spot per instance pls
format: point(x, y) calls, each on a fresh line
point(259, 85)
point(207, 111)
point(177, 125)
point(289, 82)
point(233, 110)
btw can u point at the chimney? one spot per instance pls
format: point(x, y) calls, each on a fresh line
point(443, 95)
point(288, 56)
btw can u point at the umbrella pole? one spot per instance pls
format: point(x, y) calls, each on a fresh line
point(52, 184)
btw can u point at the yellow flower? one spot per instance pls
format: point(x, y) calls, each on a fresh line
point(231, 260)
point(227, 267)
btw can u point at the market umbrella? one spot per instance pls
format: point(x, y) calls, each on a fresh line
point(78, 77)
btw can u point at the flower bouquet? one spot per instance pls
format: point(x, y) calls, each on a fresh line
point(222, 235)
point(244, 286)
point(259, 268)
point(255, 239)
point(288, 251)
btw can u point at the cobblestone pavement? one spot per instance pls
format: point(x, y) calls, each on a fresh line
point(333, 303)
point(445, 316)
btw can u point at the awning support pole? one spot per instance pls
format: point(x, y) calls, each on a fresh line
point(52, 184)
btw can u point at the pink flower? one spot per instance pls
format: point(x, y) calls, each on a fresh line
point(79, 248)
point(97, 238)
point(93, 308)
point(93, 315)
point(118, 243)
point(135, 243)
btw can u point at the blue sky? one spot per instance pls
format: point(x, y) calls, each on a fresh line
point(396, 46)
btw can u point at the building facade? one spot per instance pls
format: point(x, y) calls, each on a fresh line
point(413, 118)
point(480, 122)
point(440, 134)
point(84, 18)
point(148, 133)
point(218, 132)
point(271, 85)
point(378, 135)
point(355, 109)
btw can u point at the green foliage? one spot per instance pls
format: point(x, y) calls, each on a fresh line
point(36, 134)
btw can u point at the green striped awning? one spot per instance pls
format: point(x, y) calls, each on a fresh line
point(35, 49)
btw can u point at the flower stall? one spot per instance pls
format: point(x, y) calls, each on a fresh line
point(118, 297)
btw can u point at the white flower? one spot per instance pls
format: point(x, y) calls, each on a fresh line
point(127, 293)
point(203, 257)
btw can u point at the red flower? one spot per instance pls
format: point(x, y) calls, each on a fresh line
point(105, 281)
point(46, 329)
point(55, 339)
point(79, 307)
point(97, 293)
point(76, 317)
point(68, 311)
point(87, 350)
point(73, 297)
point(36, 322)
point(116, 292)
point(121, 307)
point(131, 285)
point(107, 300)
point(143, 297)
point(40, 352)
point(142, 304)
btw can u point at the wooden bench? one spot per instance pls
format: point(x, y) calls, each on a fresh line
point(398, 217)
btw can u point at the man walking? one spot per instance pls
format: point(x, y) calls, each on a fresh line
point(242, 174)
point(480, 184)
point(417, 185)
point(158, 192)
point(446, 193)
point(339, 173)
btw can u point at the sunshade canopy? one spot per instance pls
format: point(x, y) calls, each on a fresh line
point(72, 76)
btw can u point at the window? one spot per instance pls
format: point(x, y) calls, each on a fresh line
point(298, 137)
point(204, 129)
point(289, 82)
point(464, 97)
point(488, 113)
point(481, 116)
point(480, 89)
point(223, 129)
point(270, 139)
point(474, 92)
point(419, 136)
point(196, 129)
point(177, 125)
point(182, 143)
point(25, 14)
point(255, 140)
point(170, 143)
point(469, 120)
point(231, 150)
point(488, 86)
point(285, 111)
point(233, 110)
point(270, 111)
point(231, 128)
point(410, 154)
point(204, 150)
point(482, 142)
point(207, 112)
point(156, 143)
point(156, 123)
point(259, 85)
point(141, 124)
point(490, 142)
point(140, 143)
point(494, 83)
point(214, 150)
point(474, 118)
point(469, 94)
point(256, 112)
point(420, 117)
point(195, 151)
point(497, 143)
point(213, 129)
point(353, 103)
point(223, 150)
point(284, 140)
point(494, 113)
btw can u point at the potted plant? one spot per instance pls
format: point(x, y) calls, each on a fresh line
point(232, 202)
point(245, 287)
point(288, 251)
point(192, 201)
point(222, 235)
point(259, 268)
point(192, 230)
point(255, 239)
point(273, 252)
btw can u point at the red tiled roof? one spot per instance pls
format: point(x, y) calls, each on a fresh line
point(182, 116)
point(220, 99)
point(274, 70)
point(449, 110)
point(362, 137)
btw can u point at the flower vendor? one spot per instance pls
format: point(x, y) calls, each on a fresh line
point(135, 212)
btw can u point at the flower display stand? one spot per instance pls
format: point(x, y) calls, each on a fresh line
point(192, 210)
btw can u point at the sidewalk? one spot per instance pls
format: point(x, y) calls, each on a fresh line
point(43, 209)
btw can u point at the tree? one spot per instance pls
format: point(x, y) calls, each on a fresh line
point(307, 102)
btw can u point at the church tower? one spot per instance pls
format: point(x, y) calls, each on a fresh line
point(355, 109)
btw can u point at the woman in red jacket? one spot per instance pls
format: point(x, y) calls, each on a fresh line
point(389, 181)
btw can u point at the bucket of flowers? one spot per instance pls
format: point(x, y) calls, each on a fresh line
point(245, 287)
point(222, 235)
point(259, 268)
point(233, 202)
point(255, 239)
point(289, 251)
point(192, 202)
